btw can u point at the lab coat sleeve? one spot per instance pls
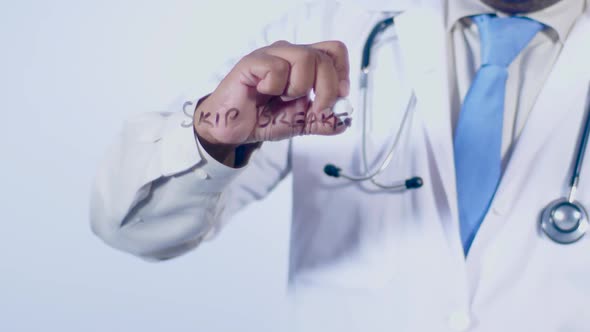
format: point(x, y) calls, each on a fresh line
point(158, 194)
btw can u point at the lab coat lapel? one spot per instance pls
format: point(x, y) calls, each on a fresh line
point(423, 42)
point(570, 75)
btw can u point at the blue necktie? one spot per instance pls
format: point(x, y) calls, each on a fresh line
point(478, 135)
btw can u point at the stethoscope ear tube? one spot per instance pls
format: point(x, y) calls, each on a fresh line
point(378, 29)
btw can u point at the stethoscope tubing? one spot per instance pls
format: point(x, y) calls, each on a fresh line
point(367, 174)
point(575, 179)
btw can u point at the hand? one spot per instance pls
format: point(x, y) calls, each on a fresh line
point(266, 96)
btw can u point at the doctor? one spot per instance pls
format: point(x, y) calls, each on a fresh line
point(493, 132)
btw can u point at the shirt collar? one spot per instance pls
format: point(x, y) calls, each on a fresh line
point(382, 5)
point(559, 17)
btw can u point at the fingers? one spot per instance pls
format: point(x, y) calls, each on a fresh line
point(326, 123)
point(326, 84)
point(339, 53)
point(330, 121)
point(323, 67)
point(268, 73)
point(303, 62)
point(280, 120)
point(266, 96)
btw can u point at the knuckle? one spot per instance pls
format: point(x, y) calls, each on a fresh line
point(280, 66)
point(319, 56)
point(308, 57)
point(324, 57)
point(247, 59)
point(280, 43)
point(256, 52)
point(243, 60)
point(340, 47)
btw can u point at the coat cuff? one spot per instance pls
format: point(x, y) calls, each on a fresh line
point(182, 154)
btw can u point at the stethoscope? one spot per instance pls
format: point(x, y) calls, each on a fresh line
point(564, 220)
point(371, 175)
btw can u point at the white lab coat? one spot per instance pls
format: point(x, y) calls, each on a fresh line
point(363, 259)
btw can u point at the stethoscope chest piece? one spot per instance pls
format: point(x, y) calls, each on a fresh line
point(564, 222)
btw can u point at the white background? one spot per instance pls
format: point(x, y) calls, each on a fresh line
point(70, 73)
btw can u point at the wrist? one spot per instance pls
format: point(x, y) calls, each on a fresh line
point(223, 153)
point(231, 155)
